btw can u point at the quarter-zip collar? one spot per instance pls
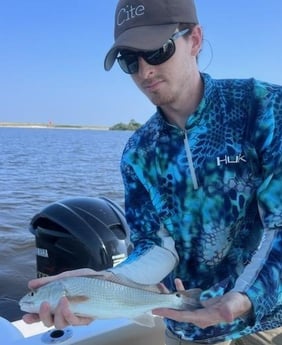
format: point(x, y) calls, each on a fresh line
point(194, 118)
point(191, 122)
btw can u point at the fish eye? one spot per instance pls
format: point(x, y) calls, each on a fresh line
point(178, 295)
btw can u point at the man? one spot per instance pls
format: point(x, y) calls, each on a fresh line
point(202, 183)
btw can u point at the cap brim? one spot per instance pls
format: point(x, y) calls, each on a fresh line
point(140, 38)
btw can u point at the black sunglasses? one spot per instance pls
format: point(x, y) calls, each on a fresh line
point(128, 59)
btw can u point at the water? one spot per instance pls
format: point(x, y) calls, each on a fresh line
point(37, 167)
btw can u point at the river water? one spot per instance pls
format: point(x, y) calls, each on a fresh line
point(37, 167)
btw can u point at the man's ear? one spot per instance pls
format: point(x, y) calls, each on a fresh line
point(197, 38)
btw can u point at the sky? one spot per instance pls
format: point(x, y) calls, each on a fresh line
point(52, 54)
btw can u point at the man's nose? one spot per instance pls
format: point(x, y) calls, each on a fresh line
point(145, 70)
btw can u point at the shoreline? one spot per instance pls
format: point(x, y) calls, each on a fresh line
point(51, 126)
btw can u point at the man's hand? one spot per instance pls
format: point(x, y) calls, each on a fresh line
point(62, 316)
point(225, 308)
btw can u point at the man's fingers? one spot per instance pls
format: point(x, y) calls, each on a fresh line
point(45, 315)
point(179, 285)
point(64, 317)
point(31, 318)
point(200, 317)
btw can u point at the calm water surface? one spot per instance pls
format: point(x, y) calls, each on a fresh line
point(37, 167)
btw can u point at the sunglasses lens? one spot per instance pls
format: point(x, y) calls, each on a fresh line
point(161, 55)
point(128, 62)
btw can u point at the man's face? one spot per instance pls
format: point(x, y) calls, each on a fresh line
point(164, 83)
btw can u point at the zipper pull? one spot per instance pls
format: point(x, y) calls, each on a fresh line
point(190, 161)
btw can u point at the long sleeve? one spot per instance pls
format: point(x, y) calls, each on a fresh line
point(154, 255)
point(261, 278)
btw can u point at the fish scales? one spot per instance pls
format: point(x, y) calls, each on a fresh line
point(103, 299)
point(108, 299)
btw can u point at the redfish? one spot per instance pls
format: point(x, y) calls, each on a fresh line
point(99, 298)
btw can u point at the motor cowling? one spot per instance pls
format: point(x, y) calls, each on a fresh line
point(80, 232)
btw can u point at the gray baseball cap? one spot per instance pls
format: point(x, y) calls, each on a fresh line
point(147, 24)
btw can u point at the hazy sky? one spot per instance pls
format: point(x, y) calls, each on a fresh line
point(52, 52)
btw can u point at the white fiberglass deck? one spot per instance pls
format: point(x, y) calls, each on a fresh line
point(110, 332)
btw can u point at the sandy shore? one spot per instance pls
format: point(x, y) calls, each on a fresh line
point(42, 125)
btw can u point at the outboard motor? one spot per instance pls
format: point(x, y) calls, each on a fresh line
point(80, 232)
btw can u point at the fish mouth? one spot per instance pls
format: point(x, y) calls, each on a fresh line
point(22, 304)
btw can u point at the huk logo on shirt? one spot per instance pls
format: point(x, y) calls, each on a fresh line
point(129, 12)
point(231, 159)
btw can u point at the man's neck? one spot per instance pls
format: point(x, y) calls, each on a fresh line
point(186, 104)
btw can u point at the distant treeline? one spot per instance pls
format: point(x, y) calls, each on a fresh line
point(131, 126)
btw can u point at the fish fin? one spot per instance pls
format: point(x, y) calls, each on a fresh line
point(77, 298)
point(147, 320)
point(84, 316)
point(101, 275)
point(122, 280)
point(190, 299)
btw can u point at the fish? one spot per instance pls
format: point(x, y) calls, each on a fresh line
point(98, 297)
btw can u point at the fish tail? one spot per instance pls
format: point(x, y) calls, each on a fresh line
point(190, 299)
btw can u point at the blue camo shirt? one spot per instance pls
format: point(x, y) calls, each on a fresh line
point(217, 188)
